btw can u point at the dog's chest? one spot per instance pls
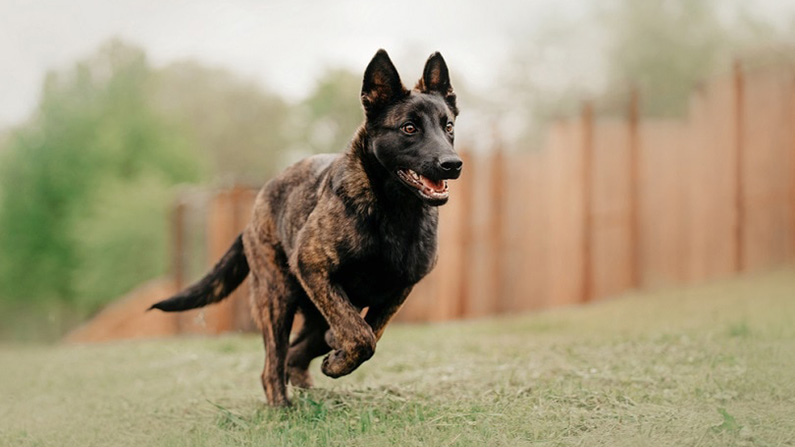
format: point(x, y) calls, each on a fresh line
point(396, 256)
point(407, 247)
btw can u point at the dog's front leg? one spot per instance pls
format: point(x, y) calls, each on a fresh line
point(378, 316)
point(354, 340)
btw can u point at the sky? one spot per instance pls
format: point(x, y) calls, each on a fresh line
point(283, 45)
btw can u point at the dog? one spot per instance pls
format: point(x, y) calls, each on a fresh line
point(335, 234)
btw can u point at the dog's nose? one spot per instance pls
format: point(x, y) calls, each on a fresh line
point(451, 163)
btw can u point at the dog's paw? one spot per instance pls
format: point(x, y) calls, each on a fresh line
point(337, 364)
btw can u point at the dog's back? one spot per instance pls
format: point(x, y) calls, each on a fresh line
point(285, 202)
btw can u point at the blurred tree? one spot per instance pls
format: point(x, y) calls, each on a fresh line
point(332, 112)
point(124, 242)
point(68, 174)
point(549, 75)
point(237, 125)
point(666, 47)
point(86, 185)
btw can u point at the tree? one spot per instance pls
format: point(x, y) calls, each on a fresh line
point(67, 175)
point(332, 112)
point(666, 47)
point(237, 126)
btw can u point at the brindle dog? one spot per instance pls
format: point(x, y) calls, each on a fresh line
point(334, 234)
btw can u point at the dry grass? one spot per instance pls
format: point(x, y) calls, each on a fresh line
point(710, 365)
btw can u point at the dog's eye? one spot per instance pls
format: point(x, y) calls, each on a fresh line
point(409, 128)
point(449, 128)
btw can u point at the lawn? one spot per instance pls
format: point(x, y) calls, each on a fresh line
point(711, 365)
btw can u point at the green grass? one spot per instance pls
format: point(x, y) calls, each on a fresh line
point(712, 365)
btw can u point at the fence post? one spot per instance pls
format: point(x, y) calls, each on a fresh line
point(465, 196)
point(792, 166)
point(587, 180)
point(178, 244)
point(634, 191)
point(739, 191)
point(178, 247)
point(219, 317)
point(495, 229)
point(241, 211)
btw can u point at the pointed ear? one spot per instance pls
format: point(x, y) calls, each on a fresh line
point(436, 80)
point(381, 84)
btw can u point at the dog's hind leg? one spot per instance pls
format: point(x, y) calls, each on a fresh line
point(274, 298)
point(308, 344)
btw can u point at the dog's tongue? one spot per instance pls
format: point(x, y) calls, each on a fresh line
point(436, 186)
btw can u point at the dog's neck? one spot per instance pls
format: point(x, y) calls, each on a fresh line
point(366, 185)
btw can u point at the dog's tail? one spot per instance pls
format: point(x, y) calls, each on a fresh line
point(222, 280)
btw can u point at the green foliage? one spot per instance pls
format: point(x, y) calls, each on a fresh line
point(86, 184)
point(124, 241)
point(237, 126)
point(332, 113)
point(96, 153)
point(666, 47)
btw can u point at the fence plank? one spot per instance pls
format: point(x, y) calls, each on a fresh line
point(587, 149)
point(610, 222)
point(739, 186)
point(636, 279)
point(566, 207)
point(768, 220)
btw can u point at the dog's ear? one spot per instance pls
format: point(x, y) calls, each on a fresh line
point(436, 80)
point(381, 84)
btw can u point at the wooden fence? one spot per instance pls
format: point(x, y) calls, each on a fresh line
point(609, 204)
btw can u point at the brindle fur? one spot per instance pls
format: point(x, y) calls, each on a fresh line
point(335, 234)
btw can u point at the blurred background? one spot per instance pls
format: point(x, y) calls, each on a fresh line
point(611, 146)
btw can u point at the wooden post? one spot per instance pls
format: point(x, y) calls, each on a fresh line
point(496, 230)
point(178, 244)
point(220, 234)
point(464, 193)
point(792, 165)
point(241, 204)
point(739, 192)
point(178, 254)
point(634, 191)
point(587, 180)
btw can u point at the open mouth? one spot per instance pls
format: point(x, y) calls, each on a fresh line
point(427, 188)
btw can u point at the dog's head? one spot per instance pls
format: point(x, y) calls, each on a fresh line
point(411, 132)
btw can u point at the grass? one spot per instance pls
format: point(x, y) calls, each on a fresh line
point(712, 365)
